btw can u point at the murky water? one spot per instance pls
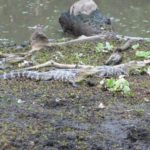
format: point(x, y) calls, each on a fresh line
point(19, 18)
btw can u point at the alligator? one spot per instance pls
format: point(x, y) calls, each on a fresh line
point(66, 75)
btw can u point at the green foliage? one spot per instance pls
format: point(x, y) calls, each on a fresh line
point(99, 48)
point(108, 46)
point(143, 54)
point(103, 48)
point(148, 70)
point(135, 46)
point(119, 85)
point(78, 56)
point(139, 112)
point(110, 83)
point(62, 39)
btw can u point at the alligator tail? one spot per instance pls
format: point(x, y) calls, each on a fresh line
point(22, 74)
point(58, 74)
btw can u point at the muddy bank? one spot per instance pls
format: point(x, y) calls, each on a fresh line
point(55, 115)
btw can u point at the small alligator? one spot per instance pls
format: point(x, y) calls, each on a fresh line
point(66, 75)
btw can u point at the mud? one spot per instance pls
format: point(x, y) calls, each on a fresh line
point(53, 115)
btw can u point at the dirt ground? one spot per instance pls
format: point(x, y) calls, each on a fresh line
point(51, 115)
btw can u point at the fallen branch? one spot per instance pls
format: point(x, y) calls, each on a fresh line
point(13, 59)
point(121, 37)
point(122, 68)
point(52, 63)
point(4, 55)
point(37, 46)
point(40, 45)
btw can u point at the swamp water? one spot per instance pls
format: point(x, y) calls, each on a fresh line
point(19, 18)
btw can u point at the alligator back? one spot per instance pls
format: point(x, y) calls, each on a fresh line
point(58, 74)
point(110, 71)
point(66, 75)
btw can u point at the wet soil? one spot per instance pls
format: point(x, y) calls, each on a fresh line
point(51, 115)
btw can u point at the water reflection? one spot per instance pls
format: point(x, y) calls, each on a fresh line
point(18, 18)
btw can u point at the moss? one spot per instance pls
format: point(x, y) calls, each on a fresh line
point(139, 112)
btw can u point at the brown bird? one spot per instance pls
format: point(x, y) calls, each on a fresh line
point(38, 38)
point(114, 59)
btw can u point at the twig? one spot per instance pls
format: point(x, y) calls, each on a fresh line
point(120, 37)
point(4, 55)
point(52, 63)
point(13, 59)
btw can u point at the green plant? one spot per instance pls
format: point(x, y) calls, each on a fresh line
point(139, 112)
point(135, 46)
point(143, 54)
point(78, 57)
point(148, 70)
point(103, 48)
point(99, 48)
point(108, 46)
point(118, 85)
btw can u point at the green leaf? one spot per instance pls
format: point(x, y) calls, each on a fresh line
point(126, 89)
point(120, 85)
point(143, 54)
point(135, 46)
point(108, 46)
point(110, 83)
point(148, 70)
point(99, 47)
